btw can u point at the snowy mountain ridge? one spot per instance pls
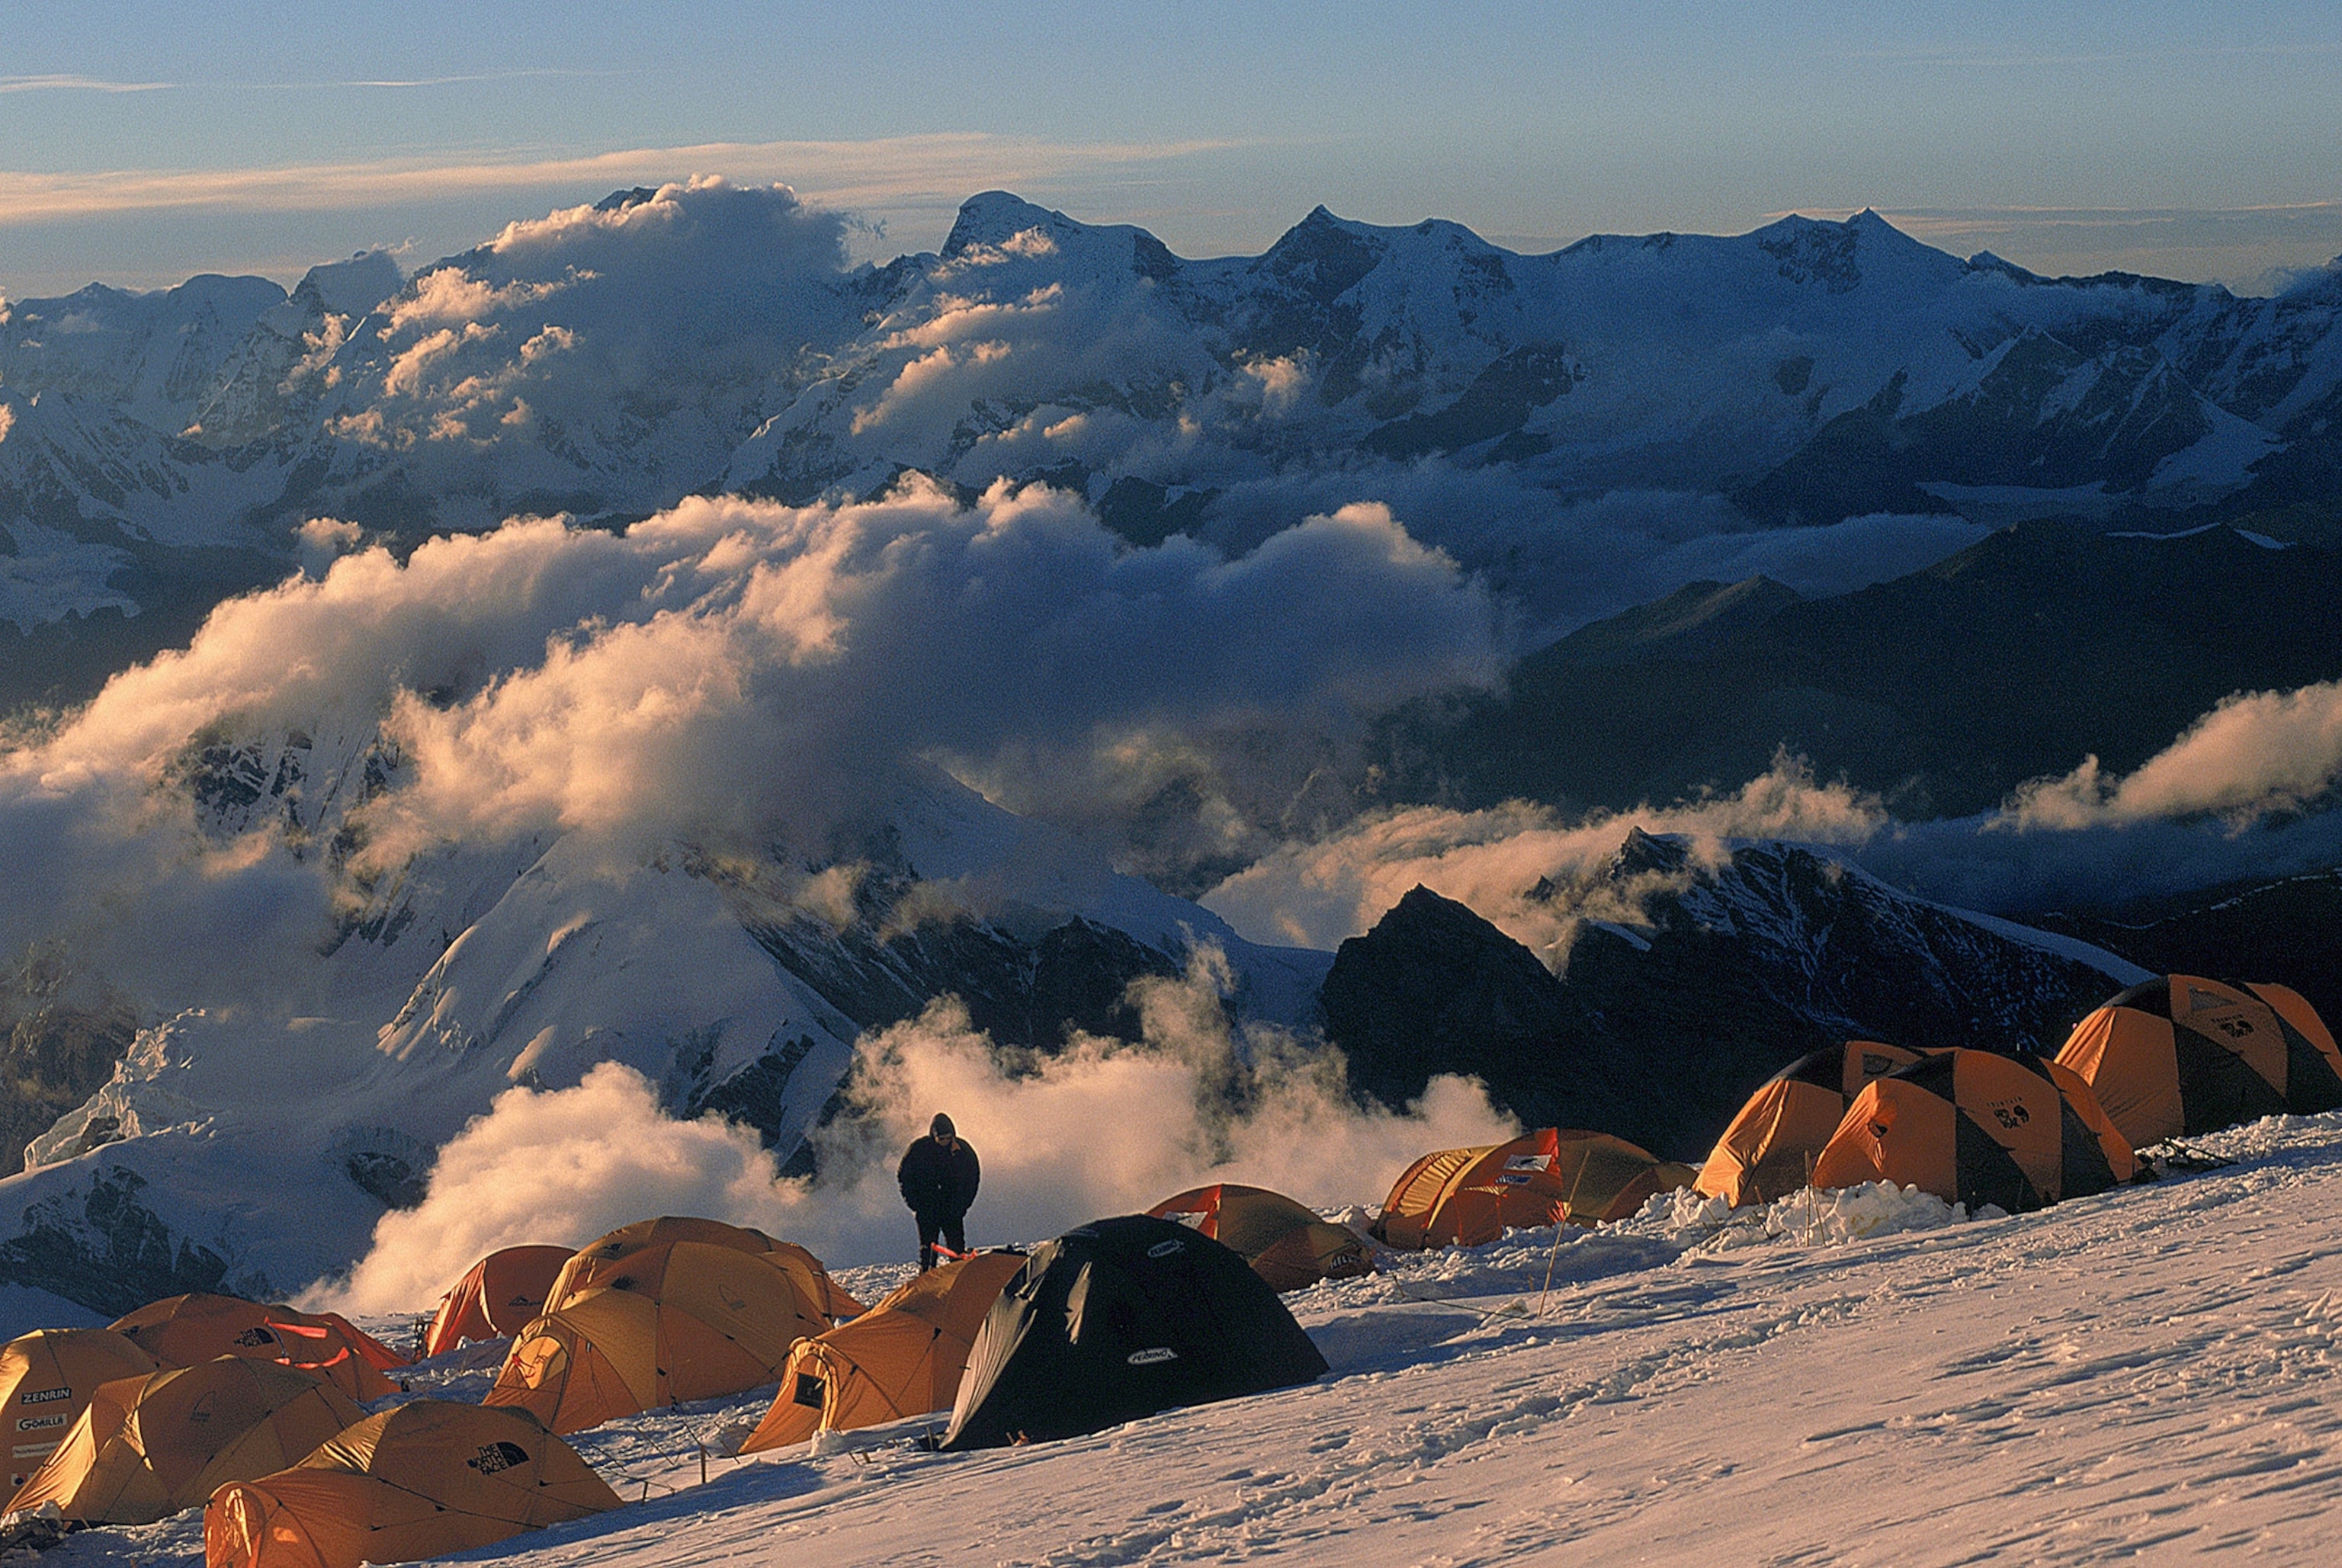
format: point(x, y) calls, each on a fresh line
point(611, 360)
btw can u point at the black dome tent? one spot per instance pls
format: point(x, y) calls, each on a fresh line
point(1118, 1319)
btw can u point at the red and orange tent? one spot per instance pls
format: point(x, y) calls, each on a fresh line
point(188, 1330)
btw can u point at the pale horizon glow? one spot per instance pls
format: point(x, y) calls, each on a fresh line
point(139, 147)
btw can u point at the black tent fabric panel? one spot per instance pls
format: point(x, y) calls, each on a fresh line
point(2216, 1089)
point(1985, 1172)
point(1119, 1319)
point(2310, 1085)
point(2083, 1167)
point(2151, 996)
point(1825, 1069)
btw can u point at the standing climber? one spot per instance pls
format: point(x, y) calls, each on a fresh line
point(938, 1176)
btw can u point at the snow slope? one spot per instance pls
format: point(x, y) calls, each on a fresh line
point(2146, 1373)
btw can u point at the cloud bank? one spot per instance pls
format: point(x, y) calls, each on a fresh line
point(729, 671)
point(1109, 1126)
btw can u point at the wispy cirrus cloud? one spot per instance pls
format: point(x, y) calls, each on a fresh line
point(76, 84)
point(889, 171)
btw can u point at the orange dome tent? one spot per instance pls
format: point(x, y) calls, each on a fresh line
point(1975, 1127)
point(902, 1357)
point(189, 1329)
point(147, 1447)
point(421, 1481)
point(1286, 1244)
point(502, 1291)
point(664, 1312)
point(1465, 1197)
point(1768, 1151)
point(2182, 1055)
point(47, 1379)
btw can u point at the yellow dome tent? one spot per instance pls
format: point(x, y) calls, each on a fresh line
point(498, 1297)
point(1286, 1244)
point(1465, 1197)
point(1975, 1127)
point(902, 1357)
point(662, 1312)
point(147, 1447)
point(2181, 1054)
point(1768, 1151)
point(47, 1379)
point(421, 1481)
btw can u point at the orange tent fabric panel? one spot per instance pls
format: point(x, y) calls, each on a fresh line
point(48, 1377)
point(421, 1481)
point(665, 1323)
point(1283, 1240)
point(903, 1357)
point(149, 1447)
point(189, 1329)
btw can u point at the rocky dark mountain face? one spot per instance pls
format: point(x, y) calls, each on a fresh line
point(1657, 1032)
point(2282, 929)
point(1943, 690)
point(56, 1047)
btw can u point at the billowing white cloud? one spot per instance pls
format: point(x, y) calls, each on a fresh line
point(1107, 1127)
point(2256, 753)
point(733, 671)
point(1316, 894)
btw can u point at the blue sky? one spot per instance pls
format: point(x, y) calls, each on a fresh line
point(140, 144)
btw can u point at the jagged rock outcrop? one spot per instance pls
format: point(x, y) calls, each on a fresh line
point(1658, 1031)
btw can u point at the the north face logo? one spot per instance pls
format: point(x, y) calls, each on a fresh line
point(495, 1457)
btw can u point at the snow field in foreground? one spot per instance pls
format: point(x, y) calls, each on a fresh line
point(2149, 1373)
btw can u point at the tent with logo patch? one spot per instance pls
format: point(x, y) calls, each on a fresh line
point(147, 1447)
point(1286, 1244)
point(1465, 1197)
point(902, 1357)
point(189, 1329)
point(1975, 1127)
point(47, 1379)
point(1768, 1151)
point(421, 1481)
point(664, 1312)
point(2180, 1055)
point(1119, 1319)
point(497, 1298)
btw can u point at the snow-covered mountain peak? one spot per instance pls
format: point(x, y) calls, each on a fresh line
point(352, 287)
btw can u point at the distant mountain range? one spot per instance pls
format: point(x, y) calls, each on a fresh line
point(1942, 691)
point(2168, 459)
point(160, 450)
